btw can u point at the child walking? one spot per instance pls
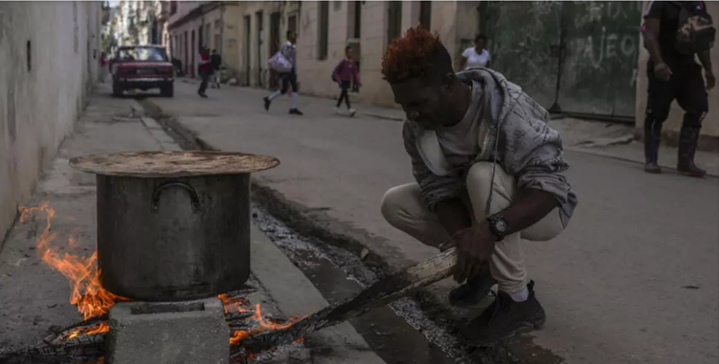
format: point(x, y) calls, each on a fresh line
point(344, 74)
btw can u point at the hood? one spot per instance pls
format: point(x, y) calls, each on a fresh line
point(495, 89)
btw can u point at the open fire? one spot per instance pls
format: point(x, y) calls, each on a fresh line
point(93, 301)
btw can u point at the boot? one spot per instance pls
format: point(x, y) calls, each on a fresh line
point(688, 139)
point(652, 137)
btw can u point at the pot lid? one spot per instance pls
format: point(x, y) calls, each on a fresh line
point(172, 164)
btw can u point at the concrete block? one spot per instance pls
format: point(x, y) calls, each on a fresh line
point(193, 332)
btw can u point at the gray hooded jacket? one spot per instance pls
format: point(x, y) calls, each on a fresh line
point(513, 133)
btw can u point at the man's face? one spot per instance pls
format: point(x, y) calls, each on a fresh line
point(293, 37)
point(423, 102)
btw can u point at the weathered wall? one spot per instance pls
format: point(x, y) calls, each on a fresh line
point(710, 128)
point(254, 47)
point(224, 22)
point(314, 73)
point(63, 41)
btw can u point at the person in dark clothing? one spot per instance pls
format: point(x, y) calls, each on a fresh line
point(215, 63)
point(289, 51)
point(204, 70)
point(674, 75)
point(344, 74)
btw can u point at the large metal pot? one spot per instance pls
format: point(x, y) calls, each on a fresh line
point(173, 225)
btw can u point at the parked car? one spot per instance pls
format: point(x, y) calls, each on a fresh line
point(142, 67)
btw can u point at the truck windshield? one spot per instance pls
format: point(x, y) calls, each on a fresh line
point(151, 54)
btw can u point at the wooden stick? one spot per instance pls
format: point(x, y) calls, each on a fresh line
point(382, 292)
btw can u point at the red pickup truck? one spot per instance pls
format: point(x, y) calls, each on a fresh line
point(142, 67)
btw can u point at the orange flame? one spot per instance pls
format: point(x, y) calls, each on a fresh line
point(232, 304)
point(87, 293)
point(263, 325)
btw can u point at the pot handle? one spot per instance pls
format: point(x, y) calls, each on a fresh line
point(193, 195)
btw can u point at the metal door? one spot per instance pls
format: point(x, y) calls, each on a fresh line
point(599, 64)
point(524, 39)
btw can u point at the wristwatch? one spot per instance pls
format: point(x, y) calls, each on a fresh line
point(498, 226)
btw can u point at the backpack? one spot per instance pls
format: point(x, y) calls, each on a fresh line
point(695, 31)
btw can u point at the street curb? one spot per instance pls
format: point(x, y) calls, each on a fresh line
point(296, 295)
point(598, 153)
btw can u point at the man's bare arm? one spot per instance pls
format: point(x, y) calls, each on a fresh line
point(651, 39)
point(453, 215)
point(706, 60)
point(531, 206)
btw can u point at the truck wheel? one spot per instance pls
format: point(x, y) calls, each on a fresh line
point(168, 91)
point(116, 90)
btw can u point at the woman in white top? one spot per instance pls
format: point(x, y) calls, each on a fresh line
point(476, 56)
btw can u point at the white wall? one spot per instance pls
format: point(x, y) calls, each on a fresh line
point(38, 107)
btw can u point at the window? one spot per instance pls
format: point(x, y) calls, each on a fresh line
point(151, 54)
point(394, 20)
point(218, 25)
point(173, 7)
point(357, 19)
point(425, 14)
point(207, 36)
point(292, 23)
point(324, 29)
point(29, 56)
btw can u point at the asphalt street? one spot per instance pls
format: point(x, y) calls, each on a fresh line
point(634, 278)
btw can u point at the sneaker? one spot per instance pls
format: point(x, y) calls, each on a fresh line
point(267, 103)
point(353, 112)
point(505, 318)
point(473, 291)
point(295, 111)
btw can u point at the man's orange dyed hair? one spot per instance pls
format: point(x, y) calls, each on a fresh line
point(417, 54)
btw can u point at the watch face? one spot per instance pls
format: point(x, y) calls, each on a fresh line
point(501, 226)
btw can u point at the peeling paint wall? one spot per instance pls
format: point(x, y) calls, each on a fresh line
point(49, 55)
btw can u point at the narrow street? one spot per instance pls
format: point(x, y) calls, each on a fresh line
point(633, 280)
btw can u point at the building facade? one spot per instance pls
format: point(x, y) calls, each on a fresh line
point(44, 47)
point(211, 24)
point(327, 28)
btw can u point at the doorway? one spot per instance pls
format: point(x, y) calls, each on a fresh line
point(260, 80)
point(193, 69)
point(274, 45)
point(247, 48)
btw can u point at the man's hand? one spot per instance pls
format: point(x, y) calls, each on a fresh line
point(475, 245)
point(662, 71)
point(711, 80)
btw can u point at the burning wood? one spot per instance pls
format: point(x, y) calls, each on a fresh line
point(252, 333)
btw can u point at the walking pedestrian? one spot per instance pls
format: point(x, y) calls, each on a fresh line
point(289, 52)
point(216, 62)
point(204, 69)
point(477, 56)
point(488, 172)
point(673, 74)
point(345, 74)
point(103, 67)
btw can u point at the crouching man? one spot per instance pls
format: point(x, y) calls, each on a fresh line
point(488, 173)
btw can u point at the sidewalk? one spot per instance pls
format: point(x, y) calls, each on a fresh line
point(35, 298)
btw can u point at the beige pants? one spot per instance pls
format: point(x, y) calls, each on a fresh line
point(404, 209)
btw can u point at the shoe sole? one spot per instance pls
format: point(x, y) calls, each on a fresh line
point(690, 174)
point(526, 327)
